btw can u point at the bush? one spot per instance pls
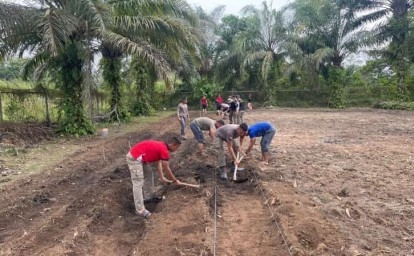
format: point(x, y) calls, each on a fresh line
point(395, 105)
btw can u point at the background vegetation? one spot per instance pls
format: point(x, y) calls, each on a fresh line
point(76, 62)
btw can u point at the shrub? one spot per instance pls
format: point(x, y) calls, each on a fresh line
point(395, 105)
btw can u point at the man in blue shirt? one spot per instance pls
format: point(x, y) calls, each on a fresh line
point(265, 130)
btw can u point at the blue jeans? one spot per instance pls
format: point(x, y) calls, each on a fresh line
point(267, 139)
point(198, 133)
point(183, 122)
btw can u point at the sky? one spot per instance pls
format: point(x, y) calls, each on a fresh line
point(234, 6)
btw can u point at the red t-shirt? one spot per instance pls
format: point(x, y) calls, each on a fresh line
point(151, 151)
point(219, 99)
point(203, 101)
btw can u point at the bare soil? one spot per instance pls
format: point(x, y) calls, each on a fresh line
point(338, 183)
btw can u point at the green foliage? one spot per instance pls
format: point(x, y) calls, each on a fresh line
point(229, 26)
point(10, 70)
point(142, 105)
point(111, 72)
point(395, 105)
point(72, 117)
point(21, 103)
point(15, 84)
point(336, 85)
point(204, 87)
point(144, 78)
point(23, 107)
point(15, 109)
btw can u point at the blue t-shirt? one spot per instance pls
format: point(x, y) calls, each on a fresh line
point(259, 129)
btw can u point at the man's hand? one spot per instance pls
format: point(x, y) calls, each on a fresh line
point(165, 180)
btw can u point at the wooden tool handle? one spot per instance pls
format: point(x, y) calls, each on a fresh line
point(190, 185)
point(236, 166)
point(186, 184)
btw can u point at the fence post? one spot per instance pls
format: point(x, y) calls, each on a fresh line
point(1, 110)
point(47, 108)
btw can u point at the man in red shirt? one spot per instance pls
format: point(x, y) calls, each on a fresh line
point(219, 101)
point(139, 156)
point(204, 103)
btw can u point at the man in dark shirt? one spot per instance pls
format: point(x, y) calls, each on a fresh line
point(228, 134)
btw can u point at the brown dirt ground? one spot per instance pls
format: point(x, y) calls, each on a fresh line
point(339, 183)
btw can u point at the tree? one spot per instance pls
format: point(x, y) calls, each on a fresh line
point(327, 32)
point(392, 27)
point(165, 28)
point(111, 64)
point(210, 41)
point(161, 27)
point(80, 28)
point(228, 68)
point(54, 34)
point(10, 69)
point(264, 40)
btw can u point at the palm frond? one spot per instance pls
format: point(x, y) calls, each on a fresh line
point(145, 51)
point(37, 66)
point(56, 27)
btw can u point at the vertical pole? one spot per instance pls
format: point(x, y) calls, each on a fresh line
point(1, 110)
point(47, 107)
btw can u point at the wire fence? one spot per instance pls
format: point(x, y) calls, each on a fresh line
point(19, 105)
point(26, 105)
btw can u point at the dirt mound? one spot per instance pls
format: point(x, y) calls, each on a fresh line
point(24, 134)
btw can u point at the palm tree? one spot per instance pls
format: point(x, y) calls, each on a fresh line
point(162, 27)
point(227, 70)
point(159, 31)
point(392, 26)
point(264, 40)
point(326, 34)
point(53, 32)
point(328, 29)
point(209, 39)
point(64, 35)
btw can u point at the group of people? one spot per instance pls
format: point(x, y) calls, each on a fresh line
point(233, 108)
point(228, 134)
point(158, 152)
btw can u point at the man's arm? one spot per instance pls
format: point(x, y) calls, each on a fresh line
point(211, 132)
point(160, 172)
point(241, 141)
point(165, 165)
point(178, 113)
point(251, 144)
point(231, 151)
